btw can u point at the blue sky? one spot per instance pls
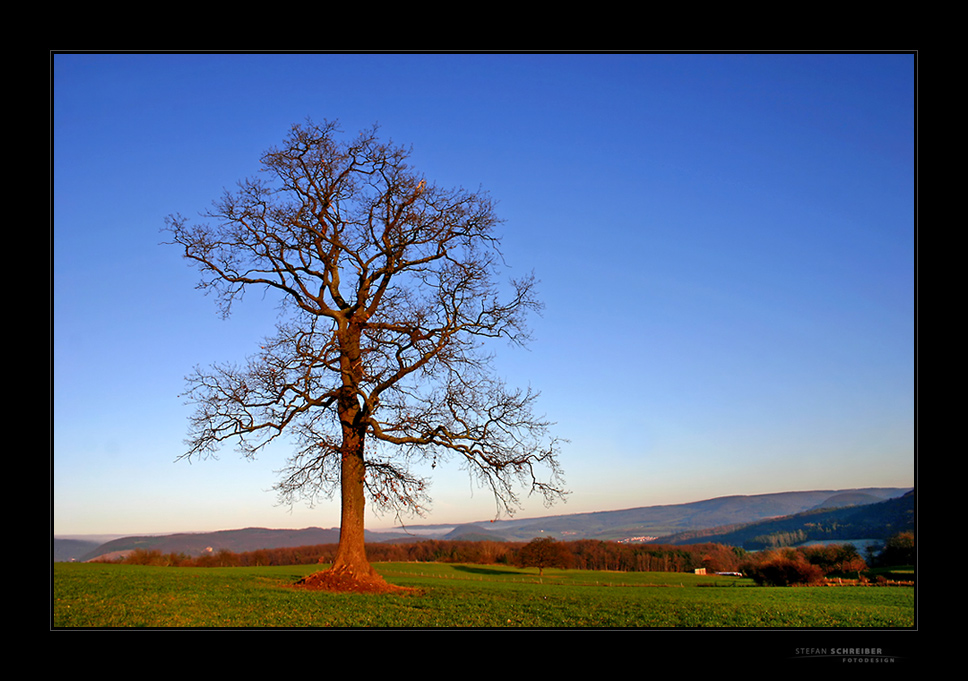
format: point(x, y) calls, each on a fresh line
point(725, 244)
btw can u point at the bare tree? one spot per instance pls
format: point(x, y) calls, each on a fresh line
point(390, 294)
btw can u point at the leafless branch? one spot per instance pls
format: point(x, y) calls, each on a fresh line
point(390, 292)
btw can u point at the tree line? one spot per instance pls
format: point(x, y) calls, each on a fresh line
point(585, 554)
point(781, 566)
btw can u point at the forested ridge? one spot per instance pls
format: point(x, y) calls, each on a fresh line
point(871, 521)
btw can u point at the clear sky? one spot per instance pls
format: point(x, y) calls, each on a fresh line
point(726, 245)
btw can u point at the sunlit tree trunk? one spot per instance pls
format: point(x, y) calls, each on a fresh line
point(351, 557)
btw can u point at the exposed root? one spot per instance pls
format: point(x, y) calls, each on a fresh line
point(348, 581)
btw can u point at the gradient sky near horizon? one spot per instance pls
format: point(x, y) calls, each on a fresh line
point(725, 243)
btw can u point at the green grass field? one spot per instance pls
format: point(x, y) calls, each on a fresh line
point(102, 595)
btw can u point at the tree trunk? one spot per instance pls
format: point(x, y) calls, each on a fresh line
point(351, 563)
point(351, 555)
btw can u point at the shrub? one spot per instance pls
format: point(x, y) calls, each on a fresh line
point(899, 550)
point(155, 557)
point(784, 568)
point(835, 558)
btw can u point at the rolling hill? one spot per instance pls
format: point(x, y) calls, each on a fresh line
point(237, 541)
point(711, 518)
point(872, 521)
point(667, 520)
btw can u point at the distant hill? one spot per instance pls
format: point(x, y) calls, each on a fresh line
point(672, 519)
point(870, 521)
point(726, 514)
point(853, 498)
point(237, 541)
point(473, 532)
point(66, 550)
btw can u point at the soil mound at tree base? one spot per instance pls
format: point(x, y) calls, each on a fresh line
point(345, 582)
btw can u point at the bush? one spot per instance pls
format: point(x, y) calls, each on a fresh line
point(899, 550)
point(155, 557)
point(835, 558)
point(785, 568)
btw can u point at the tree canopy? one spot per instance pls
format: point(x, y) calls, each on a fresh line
point(390, 293)
point(544, 552)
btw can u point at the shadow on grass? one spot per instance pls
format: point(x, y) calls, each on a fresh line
point(480, 570)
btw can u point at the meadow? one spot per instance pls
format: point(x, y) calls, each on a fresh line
point(457, 596)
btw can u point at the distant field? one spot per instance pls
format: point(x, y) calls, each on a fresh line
point(103, 595)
